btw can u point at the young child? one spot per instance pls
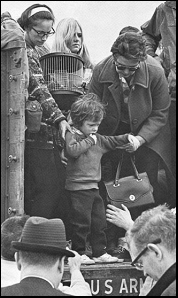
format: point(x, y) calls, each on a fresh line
point(84, 149)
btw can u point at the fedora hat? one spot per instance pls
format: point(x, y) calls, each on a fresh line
point(43, 235)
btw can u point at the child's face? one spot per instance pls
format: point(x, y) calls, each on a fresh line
point(89, 127)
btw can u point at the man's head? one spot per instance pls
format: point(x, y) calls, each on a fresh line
point(152, 241)
point(11, 230)
point(42, 235)
point(41, 249)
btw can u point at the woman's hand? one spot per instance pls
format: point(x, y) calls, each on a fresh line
point(64, 159)
point(119, 217)
point(63, 127)
point(134, 143)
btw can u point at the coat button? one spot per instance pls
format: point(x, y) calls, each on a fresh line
point(134, 121)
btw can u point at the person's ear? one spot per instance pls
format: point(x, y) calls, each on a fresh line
point(61, 264)
point(154, 248)
point(17, 259)
point(27, 29)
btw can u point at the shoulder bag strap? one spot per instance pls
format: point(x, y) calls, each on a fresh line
point(116, 181)
point(136, 174)
point(164, 282)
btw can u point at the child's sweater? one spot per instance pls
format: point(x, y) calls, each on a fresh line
point(83, 169)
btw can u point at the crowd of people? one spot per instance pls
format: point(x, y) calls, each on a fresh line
point(36, 259)
point(128, 108)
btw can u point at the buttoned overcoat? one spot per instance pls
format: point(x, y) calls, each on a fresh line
point(148, 103)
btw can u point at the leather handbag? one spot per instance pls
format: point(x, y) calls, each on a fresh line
point(132, 191)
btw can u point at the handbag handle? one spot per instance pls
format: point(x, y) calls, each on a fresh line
point(116, 181)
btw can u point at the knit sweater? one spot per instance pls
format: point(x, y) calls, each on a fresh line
point(83, 169)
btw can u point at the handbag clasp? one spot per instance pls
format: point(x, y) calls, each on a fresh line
point(116, 183)
point(132, 197)
point(139, 180)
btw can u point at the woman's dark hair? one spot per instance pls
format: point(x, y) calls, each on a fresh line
point(129, 29)
point(130, 45)
point(27, 21)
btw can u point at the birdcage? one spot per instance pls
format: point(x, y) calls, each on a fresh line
point(63, 73)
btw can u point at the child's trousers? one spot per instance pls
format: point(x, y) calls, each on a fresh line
point(87, 215)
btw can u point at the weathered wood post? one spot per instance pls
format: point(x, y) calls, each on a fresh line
point(14, 80)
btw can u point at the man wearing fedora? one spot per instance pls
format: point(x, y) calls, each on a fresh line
point(40, 255)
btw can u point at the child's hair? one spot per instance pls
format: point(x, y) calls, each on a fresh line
point(87, 107)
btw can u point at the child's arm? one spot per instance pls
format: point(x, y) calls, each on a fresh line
point(113, 142)
point(76, 147)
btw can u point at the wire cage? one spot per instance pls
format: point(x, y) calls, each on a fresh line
point(63, 73)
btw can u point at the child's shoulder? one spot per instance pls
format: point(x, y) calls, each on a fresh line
point(76, 131)
point(74, 134)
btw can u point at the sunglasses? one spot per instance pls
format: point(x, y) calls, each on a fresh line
point(130, 68)
point(138, 265)
point(42, 33)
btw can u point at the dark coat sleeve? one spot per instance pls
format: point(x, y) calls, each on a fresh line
point(151, 31)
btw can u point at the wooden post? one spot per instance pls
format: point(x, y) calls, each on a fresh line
point(14, 80)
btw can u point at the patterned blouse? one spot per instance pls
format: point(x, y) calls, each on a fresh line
point(51, 114)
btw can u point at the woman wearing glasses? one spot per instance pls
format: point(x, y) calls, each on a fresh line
point(44, 120)
point(134, 88)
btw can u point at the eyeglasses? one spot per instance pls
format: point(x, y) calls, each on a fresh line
point(130, 68)
point(42, 33)
point(138, 265)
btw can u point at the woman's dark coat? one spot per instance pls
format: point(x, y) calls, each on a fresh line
point(148, 103)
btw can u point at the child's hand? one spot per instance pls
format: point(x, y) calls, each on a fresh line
point(93, 136)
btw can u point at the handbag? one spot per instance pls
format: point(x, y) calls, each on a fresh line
point(132, 191)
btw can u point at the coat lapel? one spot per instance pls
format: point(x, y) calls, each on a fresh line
point(109, 75)
point(115, 91)
point(141, 76)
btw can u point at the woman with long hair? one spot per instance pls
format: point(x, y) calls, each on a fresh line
point(69, 39)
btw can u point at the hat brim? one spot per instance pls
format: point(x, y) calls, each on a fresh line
point(17, 245)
